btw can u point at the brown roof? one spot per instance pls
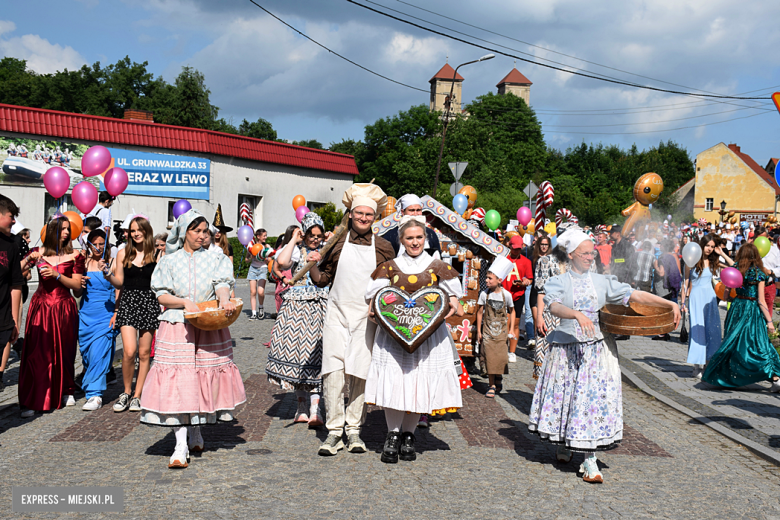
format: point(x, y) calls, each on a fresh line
point(755, 167)
point(515, 76)
point(446, 72)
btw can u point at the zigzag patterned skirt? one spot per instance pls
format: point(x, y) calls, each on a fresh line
point(295, 359)
point(542, 347)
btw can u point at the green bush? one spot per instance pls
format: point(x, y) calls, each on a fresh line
point(240, 268)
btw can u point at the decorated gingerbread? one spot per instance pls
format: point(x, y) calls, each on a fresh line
point(646, 191)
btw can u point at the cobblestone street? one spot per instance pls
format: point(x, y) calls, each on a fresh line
point(480, 462)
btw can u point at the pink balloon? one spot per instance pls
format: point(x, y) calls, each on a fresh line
point(57, 181)
point(95, 161)
point(300, 212)
point(524, 216)
point(116, 181)
point(731, 277)
point(85, 196)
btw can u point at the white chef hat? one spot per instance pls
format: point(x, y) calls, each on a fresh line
point(501, 267)
point(129, 218)
point(410, 199)
point(365, 194)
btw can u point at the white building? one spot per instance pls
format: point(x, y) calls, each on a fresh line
point(165, 164)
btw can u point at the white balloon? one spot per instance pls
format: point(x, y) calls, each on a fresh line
point(691, 254)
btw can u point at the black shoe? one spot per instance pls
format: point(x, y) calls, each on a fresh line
point(662, 337)
point(110, 375)
point(407, 447)
point(621, 337)
point(390, 451)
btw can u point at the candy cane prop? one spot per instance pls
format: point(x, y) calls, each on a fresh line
point(564, 215)
point(246, 218)
point(544, 199)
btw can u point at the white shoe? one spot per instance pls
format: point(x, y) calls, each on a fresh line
point(93, 403)
point(68, 400)
point(775, 386)
point(179, 457)
point(27, 414)
point(512, 357)
point(563, 454)
point(590, 471)
point(531, 343)
point(225, 416)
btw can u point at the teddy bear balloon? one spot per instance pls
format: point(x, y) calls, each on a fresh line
point(646, 191)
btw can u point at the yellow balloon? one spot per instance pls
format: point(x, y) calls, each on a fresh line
point(550, 228)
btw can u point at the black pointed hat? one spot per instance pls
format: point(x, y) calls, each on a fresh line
point(219, 221)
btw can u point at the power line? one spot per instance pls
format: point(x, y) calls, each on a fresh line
point(545, 48)
point(575, 73)
point(336, 53)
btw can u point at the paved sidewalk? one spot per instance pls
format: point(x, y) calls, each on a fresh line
point(478, 463)
point(752, 411)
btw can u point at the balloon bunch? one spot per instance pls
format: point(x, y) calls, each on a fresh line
point(299, 205)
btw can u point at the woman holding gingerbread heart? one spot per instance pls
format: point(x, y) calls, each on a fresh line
point(412, 366)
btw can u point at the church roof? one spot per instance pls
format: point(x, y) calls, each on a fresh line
point(515, 77)
point(446, 72)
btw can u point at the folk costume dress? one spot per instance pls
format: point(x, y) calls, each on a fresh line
point(578, 400)
point(546, 267)
point(705, 335)
point(46, 372)
point(746, 355)
point(426, 380)
point(295, 359)
point(97, 338)
point(193, 380)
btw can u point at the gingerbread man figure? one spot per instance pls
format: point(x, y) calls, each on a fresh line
point(646, 191)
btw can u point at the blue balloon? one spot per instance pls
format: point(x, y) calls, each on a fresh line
point(460, 202)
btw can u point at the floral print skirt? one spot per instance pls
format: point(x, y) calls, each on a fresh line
point(578, 399)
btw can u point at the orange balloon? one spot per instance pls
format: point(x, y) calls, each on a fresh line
point(390, 208)
point(43, 234)
point(255, 249)
point(76, 224)
point(720, 291)
point(470, 193)
point(298, 201)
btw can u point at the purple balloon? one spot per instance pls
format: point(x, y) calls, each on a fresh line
point(180, 208)
point(85, 196)
point(245, 235)
point(300, 212)
point(524, 216)
point(731, 277)
point(57, 181)
point(95, 161)
point(116, 181)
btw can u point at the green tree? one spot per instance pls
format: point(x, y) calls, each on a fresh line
point(190, 102)
point(309, 143)
point(260, 129)
point(330, 215)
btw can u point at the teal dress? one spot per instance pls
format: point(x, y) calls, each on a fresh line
point(745, 356)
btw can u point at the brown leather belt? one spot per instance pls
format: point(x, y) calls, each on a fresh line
point(745, 298)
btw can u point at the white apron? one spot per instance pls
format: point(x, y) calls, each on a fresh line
point(348, 336)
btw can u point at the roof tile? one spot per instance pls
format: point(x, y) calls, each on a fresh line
point(123, 131)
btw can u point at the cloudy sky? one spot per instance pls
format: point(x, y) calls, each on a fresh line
point(257, 67)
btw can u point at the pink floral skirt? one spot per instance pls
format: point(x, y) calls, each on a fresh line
point(193, 379)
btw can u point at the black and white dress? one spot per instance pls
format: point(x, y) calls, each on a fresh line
point(138, 306)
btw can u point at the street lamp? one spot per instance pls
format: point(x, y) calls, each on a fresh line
point(447, 115)
point(722, 211)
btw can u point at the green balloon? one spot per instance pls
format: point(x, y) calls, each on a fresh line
point(763, 245)
point(492, 219)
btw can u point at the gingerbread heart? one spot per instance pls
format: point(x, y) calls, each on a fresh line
point(410, 319)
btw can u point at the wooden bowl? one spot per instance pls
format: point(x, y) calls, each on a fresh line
point(212, 318)
point(637, 320)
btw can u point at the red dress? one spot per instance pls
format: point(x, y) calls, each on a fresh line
point(50, 339)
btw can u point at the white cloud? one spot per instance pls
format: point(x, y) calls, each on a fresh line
point(404, 48)
point(42, 57)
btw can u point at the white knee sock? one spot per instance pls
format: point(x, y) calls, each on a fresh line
point(395, 419)
point(314, 400)
point(410, 422)
point(181, 437)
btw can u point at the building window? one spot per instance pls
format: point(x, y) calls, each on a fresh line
point(51, 207)
point(171, 220)
point(314, 205)
point(708, 204)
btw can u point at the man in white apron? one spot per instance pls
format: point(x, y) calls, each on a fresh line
point(348, 336)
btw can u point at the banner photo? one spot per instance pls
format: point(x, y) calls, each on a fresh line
point(24, 161)
point(163, 175)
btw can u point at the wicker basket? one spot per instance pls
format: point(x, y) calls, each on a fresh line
point(211, 317)
point(637, 320)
